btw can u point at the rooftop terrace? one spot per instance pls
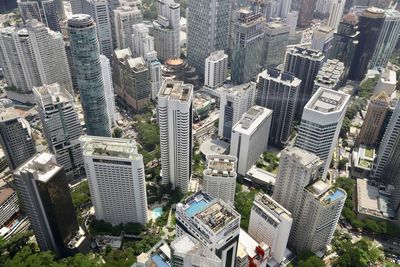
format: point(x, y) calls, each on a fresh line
point(217, 215)
point(176, 90)
point(327, 101)
point(221, 165)
point(109, 147)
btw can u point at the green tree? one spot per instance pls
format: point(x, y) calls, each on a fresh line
point(308, 259)
point(117, 132)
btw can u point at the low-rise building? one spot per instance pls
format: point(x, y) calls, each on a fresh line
point(8, 204)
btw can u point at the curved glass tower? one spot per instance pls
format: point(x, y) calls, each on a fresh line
point(86, 56)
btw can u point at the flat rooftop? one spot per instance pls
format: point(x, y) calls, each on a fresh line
point(176, 90)
point(217, 55)
point(281, 77)
point(213, 147)
point(7, 114)
point(217, 215)
point(186, 244)
point(221, 165)
point(51, 94)
point(240, 90)
point(268, 203)
point(42, 165)
point(306, 52)
point(196, 203)
point(325, 193)
point(109, 147)
point(5, 193)
point(252, 119)
point(327, 101)
point(302, 156)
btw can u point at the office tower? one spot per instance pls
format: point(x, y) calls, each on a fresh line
point(142, 42)
point(216, 69)
point(292, 22)
point(116, 178)
point(345, 41)
point(212, 222)
point(50, 12)
point(386, 167)
point(285, 8)
point(270, 223)
point(276, 38)
point(295, 162)
point(321, 39)
point(17, 60)
point(371, 128)
point(370, 24)
point(124, 18)
point(250, 137)
point(208, 30)
point(131, 79)
point(167, 30)
point(234, 102)
point(50, 55)
point(47, 201)
point(306, 12)
point(15, 138)
point(108, 88)
point(175, 122)
point(247, 45)
point(388, 38)
point(304, 63)
point(86, 55)
point(61, 125)
point(188, 251)
point(336, 13)
point(313, 229)
point(278, 91)
point(321, 123)
point(9, 204)
point(387, 82)
point(155, 77)
point(219, 177)
point(330, 76)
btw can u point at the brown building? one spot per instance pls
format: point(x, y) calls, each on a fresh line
point(179, 70)
point(374, 120)
point(306, 12)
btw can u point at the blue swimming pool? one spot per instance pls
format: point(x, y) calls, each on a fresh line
point(336, 195)
point(156, 212)
point(159, 261)
point(196, 207)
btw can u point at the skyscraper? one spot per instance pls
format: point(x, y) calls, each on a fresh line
point(208, 30)
point(250, 137)
point(321, 123)
point(142, 42)
point(219, 177)
point(175, 122)
point(44, 191)
point(167, 30)
point(108, 88)
point(276, 38)
point(330, 76)
point(116, 178)
point(336, 13)
point(50, 12)
point(278, 91)
point(304, 63)
point(370, 24)
point(124, 18)
point(247, 45)
point(216, 70)
point(61, 125)
point(234, 102)
point(306, 12)
point(86, 55)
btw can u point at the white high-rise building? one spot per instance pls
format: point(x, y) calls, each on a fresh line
point(175, 122)
point(50, 55)
point(270, 223)
point(285, 8)
point(61, 125)
point(155, 77)
point(321, 123)
point(115, 172)
point(212, 222)
point(216, 71)
point(219, 177)
point(124, 18)
point(234, 102)
point(336, 13)
point(108, 89)
point(250, 137)
point(167, 30)
point(142, 42)
point(292, 21)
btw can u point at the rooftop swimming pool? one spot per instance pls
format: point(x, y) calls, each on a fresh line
point(159, 261)
point(196, 207)
point(335, 196)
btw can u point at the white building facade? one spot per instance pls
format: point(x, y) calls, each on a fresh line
point(216, 69)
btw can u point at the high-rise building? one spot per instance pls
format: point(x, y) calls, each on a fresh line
point(336, 13)
point(175, 122)
point(285, 8)
point(270, 223)
point(322, 38)
point(15, 138)
point(276, 38)
point(321, 123)
point(304, 63)
point(50, 12)
point(370, 24)
point(131, 79)
point(108, 88)
point(387, 41)
point(167, 30)
point(345, 41)
point(330, 76)
point(208, 30)
point(321, 206)
point(250, 137)
point(155, 76)
point(234, 102)
point(61, 125)
point(278, 91)
point(50, 55)
point(371, 128)
point(306, 12)
point(116, 178)
point(124, 18)
point(47, 201)
point(247, 45)
point(212, 222)
point(292, 22)
point(216, 70)
point(219, 177)
point(86, 55)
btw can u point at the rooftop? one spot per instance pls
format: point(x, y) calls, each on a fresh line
point(80, 21)
point(326, 194)
point(328, 101)
point(109, 147)
point(217, 55)
point(7, 114)
point(271, 205)
point(213, 147)
point(252, 119)
point(5, 193)
point(51, 94)
point(302, 156)
point(217, 215)
point(159, 256)
point(330, 73)
point(176, 90)
point(186, 244)
point(239, 90)
point(281, 77)
point(43, 166)
point(221, 165)
point(306, 52)
point(196, 203)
